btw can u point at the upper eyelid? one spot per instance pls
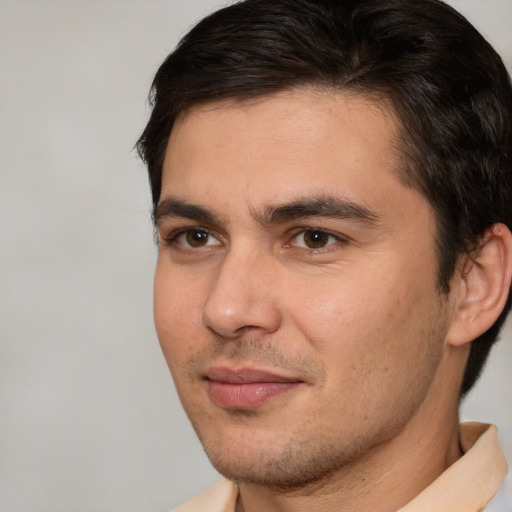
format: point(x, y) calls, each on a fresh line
point(297, 231)
point(173, 233)
point(171, 229)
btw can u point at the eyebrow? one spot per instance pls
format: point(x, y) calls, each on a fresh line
point(302, 208)
point(171, 207)
point(319, 206)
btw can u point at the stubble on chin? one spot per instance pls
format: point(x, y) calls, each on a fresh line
point(305, 463)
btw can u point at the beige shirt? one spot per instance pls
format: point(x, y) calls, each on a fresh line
point(466, 486)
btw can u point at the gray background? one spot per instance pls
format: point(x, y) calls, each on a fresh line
point(89, 420)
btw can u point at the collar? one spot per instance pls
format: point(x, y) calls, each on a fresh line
point(470, 483)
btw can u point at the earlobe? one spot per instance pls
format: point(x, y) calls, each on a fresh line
point(482, 287)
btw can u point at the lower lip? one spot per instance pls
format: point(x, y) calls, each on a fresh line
point(248, 395)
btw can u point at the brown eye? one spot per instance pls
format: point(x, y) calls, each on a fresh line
point(196, 238)
point(314, 239)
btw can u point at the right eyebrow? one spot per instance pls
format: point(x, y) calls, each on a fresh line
point(172, 208)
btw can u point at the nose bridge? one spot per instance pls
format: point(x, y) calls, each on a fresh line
point(241, 295)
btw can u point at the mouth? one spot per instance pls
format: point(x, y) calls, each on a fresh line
point(246, 388)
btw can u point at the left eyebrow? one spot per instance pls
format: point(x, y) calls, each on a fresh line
point(323, 206)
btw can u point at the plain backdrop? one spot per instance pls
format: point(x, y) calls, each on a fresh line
point(89, 420)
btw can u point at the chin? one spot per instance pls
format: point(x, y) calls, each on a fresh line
point(280, 464)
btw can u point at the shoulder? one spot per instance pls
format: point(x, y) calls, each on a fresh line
point(219, 498)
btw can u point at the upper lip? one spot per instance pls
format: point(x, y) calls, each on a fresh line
point(246, 376)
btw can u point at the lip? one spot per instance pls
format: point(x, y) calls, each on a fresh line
point(246, 388)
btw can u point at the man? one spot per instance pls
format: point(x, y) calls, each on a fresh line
point(332, 189)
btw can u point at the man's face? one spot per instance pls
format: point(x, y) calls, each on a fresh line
point(295, 291)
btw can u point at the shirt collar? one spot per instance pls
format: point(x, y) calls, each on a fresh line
point(470, 483)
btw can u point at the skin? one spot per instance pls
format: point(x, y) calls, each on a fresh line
point(351, 312)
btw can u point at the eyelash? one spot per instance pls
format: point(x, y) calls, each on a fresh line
point(334, 239)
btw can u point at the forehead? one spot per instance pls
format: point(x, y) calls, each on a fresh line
point(306, 136)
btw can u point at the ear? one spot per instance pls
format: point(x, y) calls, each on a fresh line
point(481, 290)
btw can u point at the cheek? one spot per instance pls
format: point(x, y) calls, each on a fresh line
point(371, 345)
point(177, 317)
point(370, 322)
point(336, 311)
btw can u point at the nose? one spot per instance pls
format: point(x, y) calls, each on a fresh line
point(242, 298)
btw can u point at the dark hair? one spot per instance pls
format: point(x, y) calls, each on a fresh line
point(448, 87)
